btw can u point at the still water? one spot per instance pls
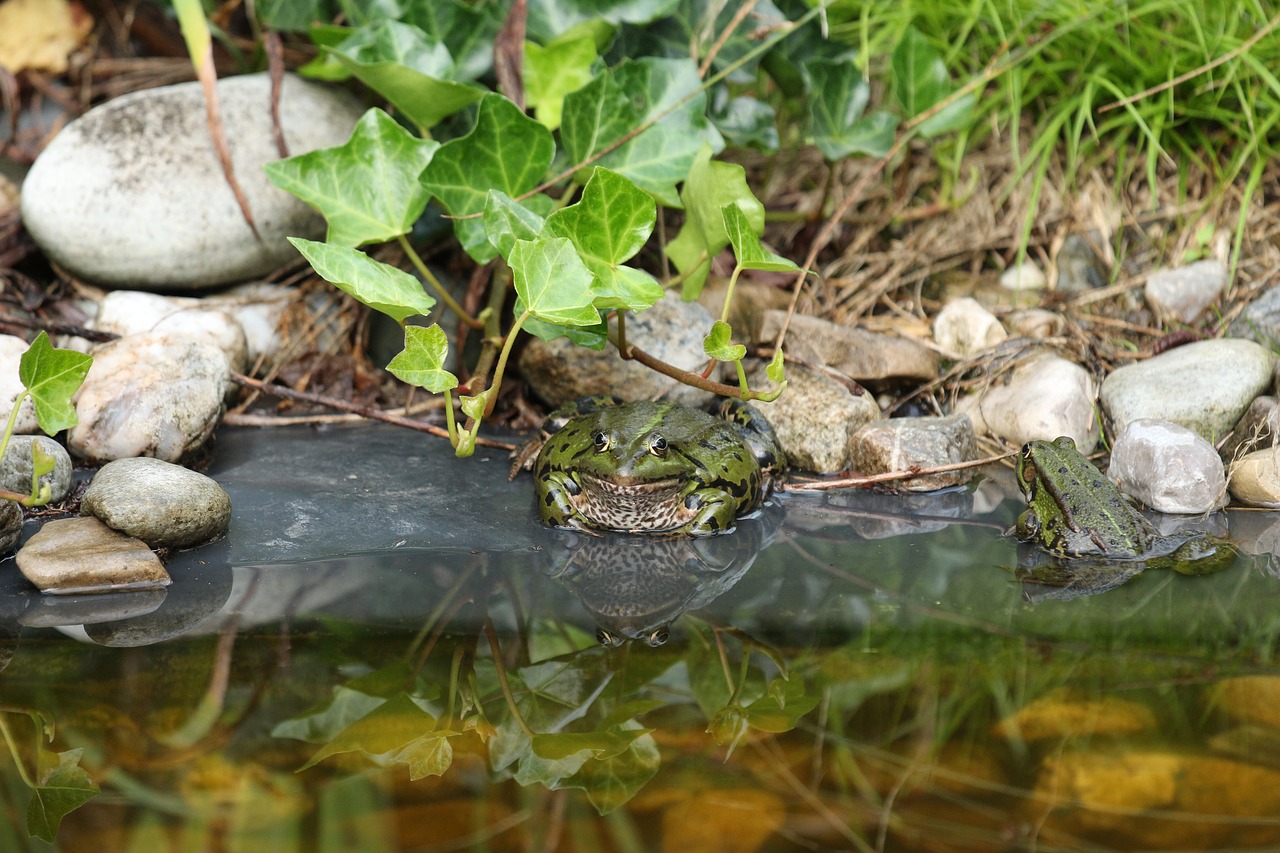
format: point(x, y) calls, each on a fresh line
point(388, 653)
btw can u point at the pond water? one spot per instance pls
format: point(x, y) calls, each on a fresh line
point(388, 653)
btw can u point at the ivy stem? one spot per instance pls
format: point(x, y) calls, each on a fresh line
point(13, 421)
point(13, 750)
point(431, 279)
point(502, 360)
point(501, 670)
point(449, 419)
point(728, 293)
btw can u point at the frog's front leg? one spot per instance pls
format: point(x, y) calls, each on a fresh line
point(714, 511)
point(555, 493)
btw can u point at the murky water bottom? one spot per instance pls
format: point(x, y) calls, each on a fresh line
point(848, 672)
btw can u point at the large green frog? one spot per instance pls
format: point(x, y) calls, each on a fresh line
point(649, 467)
point(1076, 514)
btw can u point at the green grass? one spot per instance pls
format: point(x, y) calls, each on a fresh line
point(1068, 60)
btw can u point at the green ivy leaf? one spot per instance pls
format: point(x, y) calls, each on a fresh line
point(468, 31)
point(507, 151)
point(609, 225)
point(549, 18)
point(703, 28)
point(429, 755)
point(612, 782)
point(404, 65)
point(507, 220)
point(553, 71)
point(781, 707)
point(745, 121)
point(592, 337)
point(368, 187)
point(839, 96)
point(381, 286)
point(552, 282)
point(380, 735)
point(421, 363)
point(63, 789)
point(473, 406)
point(600, 744)
point(921, 81)
point(719, 345)
point(53, 376)
point(709, 186)
point(776, 371)
point(323, 722)
point(618, 101)
point(748, 251)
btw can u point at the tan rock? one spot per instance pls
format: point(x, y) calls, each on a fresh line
point(815, 418)
point(1255, 479)
point(1248, 699)
point(83, 555)
point(857, 353)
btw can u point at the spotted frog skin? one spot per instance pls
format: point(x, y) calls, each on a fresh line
point(649, 467)
point(1074, 512)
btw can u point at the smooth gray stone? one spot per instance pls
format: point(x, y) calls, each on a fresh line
point(15, 468)
point(164, 505)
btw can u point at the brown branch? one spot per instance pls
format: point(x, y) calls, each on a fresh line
point(889, 476)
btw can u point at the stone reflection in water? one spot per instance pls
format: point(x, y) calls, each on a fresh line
point(634, 587)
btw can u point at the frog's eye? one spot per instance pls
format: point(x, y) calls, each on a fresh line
point(657, 445)
point(600, 440)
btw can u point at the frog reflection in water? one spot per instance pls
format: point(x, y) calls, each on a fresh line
point(1097, 538)
point(650, 467)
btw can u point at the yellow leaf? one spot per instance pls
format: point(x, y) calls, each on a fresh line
point(40, 34)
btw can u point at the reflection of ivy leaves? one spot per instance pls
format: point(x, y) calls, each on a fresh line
point(64, 788)
point(380, 735)
point(611, 782)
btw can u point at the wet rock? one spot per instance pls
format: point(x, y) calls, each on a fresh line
point(964, 327)
point(896, 444)
point(164, 505)
point(194, 598)
point(1255, 479)
point(1252, 699)
point(130, 312)
point(1044, 397)
point(80, 555)
point(1183, 293)
point(1260, 321)
point(149, 395)
point(61, 611)
point(1078, 266)
point(672, 330)
point(131, 194)
point(11, 350)
point(1256, 430)
point(10, 525)
point(1061, 714)
point(1023, 276)
point(815, 418)
point(857, 353)
point(15, 468)
point(1204, 386)
point(1168, 467)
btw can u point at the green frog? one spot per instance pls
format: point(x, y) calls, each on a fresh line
point(648, 467)
point(1079, 516)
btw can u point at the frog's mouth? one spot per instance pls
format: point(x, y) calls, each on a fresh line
point(631, 486)
point(619, 503)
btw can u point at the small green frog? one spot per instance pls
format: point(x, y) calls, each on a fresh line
point(1075, 513)
point(649, 467)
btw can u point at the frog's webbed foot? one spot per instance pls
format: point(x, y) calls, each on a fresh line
point(714, 512)
point(523, 457)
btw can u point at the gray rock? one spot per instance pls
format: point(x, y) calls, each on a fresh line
point(857, 353)
point(10, 525)
point(11, 350)
point(1168, 467)
point(164, 505)
point(1255, 479)
point(149, 395)
point(1184, 293)
point(61, 611)
point(1256, 430)
point(15, 468)
point(82, 555)
point(964, 327)
point(1078, 266)
point(672, 330)
point(1261, 320)
point(1043, 397)
point(131, 194)
point(897, 444)
point(1204, 386)
point(815, 418)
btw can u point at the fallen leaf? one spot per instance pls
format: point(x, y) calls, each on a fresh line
point(40, 34)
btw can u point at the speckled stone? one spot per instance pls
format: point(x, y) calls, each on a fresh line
point(164, 505)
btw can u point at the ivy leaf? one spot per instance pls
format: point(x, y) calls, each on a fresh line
point(421, 363)
point(468, 31)
point(368, 187)
point(719, 345)
point(52, 376)
point(745, 121)
point(601, 744)
point(381, 286)
point(473, 406)
point(776, 371)
point(507, 220)
point(609, 225)
point(548, 18)
point(704, 28)
point(506, 150)
point(748, 251)
point(839, 96)
point(709, 186)
point(321, 723)
point(380, 735)
point(921, 81)
point(553, 71)
point(592, 337)
point(552, 282)
point(781, 707)
point(63, 789)
point(408, 68)
point(612, 782)
point(618, 101)
point(429, 755)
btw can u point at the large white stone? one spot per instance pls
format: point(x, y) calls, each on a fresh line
point(1044, 397)
point(1168, 467)
point(11, 350)
point(131, 194)
point(964, 327)
point(131, 312)
point(149, 395)
point(1205, 386)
